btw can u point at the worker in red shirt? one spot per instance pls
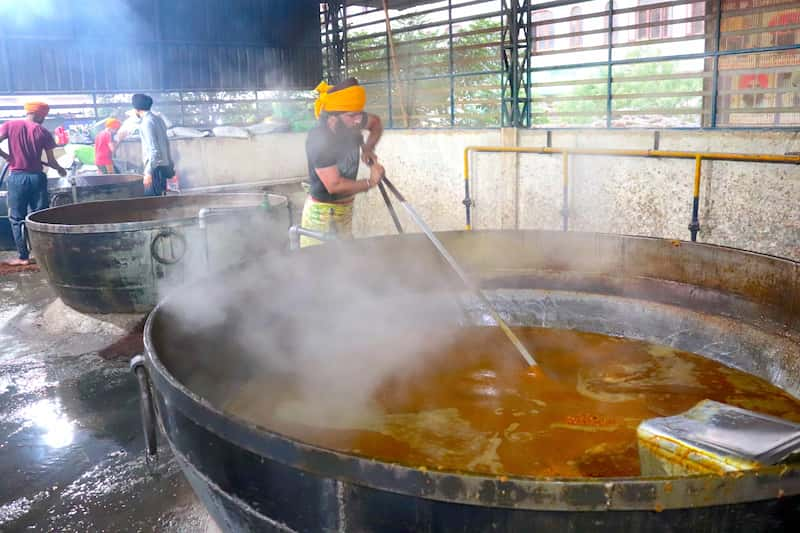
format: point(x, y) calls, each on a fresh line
point(104, 146)
point(27, 183)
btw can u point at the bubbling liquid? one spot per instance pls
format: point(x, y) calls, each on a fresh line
point(477, 408)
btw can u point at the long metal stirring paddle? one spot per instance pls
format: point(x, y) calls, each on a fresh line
point(461, 274)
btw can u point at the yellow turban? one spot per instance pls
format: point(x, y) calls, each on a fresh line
point(351, 99)
point(40, 109)
point(113, 123)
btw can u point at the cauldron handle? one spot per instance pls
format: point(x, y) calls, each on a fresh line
point(146, 406)
point(4, 172)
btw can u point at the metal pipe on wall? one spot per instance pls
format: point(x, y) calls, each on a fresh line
point(565, 190)
point(467, 198)
point(694, 226)
point(673, 154)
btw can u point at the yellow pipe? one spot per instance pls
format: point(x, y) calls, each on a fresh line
point(466, 162)
point(565, 190)
point(467, 199)
point(670, 154)
point(694, 225)
point(698, 165)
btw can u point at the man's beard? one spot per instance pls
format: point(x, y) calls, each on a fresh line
point(343, 125)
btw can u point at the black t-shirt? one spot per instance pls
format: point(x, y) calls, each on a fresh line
point(325, 148)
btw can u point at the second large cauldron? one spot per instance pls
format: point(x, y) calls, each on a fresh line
point(736, 307)
point(93, 188)
point(121, 256)
point(73, 189)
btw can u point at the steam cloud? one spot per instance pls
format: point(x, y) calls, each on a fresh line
point(338, 326)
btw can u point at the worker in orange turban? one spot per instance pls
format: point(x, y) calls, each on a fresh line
point(38, 110)
point(104, 146)
point(333, 150)
point(26, 181)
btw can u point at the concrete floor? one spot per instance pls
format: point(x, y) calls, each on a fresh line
point(71, 444)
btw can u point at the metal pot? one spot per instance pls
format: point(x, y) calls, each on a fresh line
point(119, 256)
point(91, 188)
point(83, 188)
point(695, 297)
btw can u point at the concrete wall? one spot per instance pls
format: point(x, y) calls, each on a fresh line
point(746, 205)
point(428, 168)
point(223, 161)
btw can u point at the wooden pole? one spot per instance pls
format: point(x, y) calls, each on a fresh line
point(395, 68)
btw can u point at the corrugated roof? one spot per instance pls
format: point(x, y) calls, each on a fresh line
point(129, 45)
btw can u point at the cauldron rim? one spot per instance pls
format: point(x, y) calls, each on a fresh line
point(32, 224)
point(62, 185)
point(517, 492)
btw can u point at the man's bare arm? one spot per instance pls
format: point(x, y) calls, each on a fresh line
point(52, 163)
point(335, 184)
point(375, 128)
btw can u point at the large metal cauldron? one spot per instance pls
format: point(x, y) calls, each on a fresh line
point(92, 188)
point(83, 188)
point(734, 306)
point(6, 237)
point(120, 256)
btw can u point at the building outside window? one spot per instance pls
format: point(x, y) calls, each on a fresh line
point(543, 30)
point(576, 26)
point(655, 20)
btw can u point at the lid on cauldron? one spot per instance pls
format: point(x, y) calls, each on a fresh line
point(717, 437)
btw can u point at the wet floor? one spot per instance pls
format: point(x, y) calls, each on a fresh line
point(70, 436)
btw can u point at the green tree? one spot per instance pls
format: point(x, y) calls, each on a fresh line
point(632, 96)
point(424, 53)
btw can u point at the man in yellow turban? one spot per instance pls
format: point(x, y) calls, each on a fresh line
point(104, 146)
point(334, 149)
point(27, 182)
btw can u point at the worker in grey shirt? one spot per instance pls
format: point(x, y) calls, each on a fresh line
point(158, 167)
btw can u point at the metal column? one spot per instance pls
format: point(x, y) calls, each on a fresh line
point(516, 61)
point(336, 40)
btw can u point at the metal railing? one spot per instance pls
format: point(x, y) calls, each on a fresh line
point(698, 157)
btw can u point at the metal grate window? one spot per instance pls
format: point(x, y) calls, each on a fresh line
point(593, 63)
point(197, 109)
point(446, 69)
point(757, 86)
point(641, 80)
